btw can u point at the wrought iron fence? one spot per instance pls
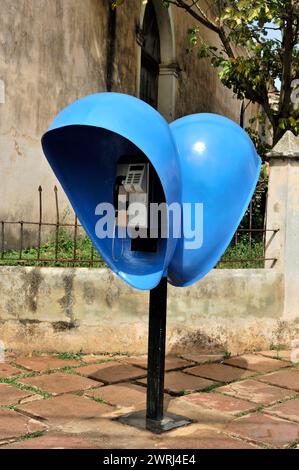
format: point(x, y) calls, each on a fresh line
point(247, 248)
point(64, 242)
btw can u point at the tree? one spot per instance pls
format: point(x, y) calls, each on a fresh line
point(250, 60)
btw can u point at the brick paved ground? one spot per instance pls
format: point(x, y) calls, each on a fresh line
point(69, 401)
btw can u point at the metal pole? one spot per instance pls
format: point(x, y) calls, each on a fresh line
point(153, 418)
point(156, 351)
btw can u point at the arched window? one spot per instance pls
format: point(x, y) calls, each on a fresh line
point(150, 57)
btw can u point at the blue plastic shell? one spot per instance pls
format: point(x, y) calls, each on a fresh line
point(83, 146)
point(220, 169)
point(202, 158)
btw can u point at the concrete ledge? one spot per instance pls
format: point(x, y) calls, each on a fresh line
point(56, 309)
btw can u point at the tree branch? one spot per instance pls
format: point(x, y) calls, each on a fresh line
point(226, 43)
point(287, 46)
point(205, 21)
point(201, 19)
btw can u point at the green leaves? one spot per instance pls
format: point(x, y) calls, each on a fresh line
point(193, 36)
point(291, 122)
point(255, 31)
point(253, 53)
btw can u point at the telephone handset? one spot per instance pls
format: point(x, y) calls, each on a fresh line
point(131, 186)
point(136, 182)
point(118, 182)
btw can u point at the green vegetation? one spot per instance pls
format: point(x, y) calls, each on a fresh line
point(70, 356)
point(8, 407)
point(26, 388)
point(62, 249)
point(32, 435)
point(227, 355)
point(243, 250)
point(99, 400)
point(257, 46)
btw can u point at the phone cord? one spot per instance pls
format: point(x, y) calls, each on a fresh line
point(113, 243)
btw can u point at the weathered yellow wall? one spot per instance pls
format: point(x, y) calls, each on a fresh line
point(51, 52)
point(54, 51)
point(200, 89)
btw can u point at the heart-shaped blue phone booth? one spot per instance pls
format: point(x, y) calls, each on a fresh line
point(204, 163)
point(202, 158)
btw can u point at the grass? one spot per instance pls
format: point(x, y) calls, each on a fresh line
point(227, 355)
point(65, 250)
point(241, 251)
point(32, 435)
point(100, 400)
point(8, 407)
point(70, 356)
point(26, 388)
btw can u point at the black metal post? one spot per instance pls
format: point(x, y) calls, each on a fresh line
point(154, 419)
point(156, 351)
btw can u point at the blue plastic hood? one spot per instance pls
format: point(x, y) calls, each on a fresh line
point(203, 159)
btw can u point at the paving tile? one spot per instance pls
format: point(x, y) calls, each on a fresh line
point(221, 403)
point(59, 382)
point(7, 371)
point(265, 429)
point(284, 355)
point(256, 392)
point(65, 408)
point(219, 372)
point(88, 370)
point(121, 395)
point(90, 358)
point(171, 362)
point(52, 441)
point(13, 425)
point(109, 434)
point(220, 441)
point(10, 395)
point(255, 363)
point(201, 358)
point(112, 372)
point(178, 382)
point(288, 410)
point(287, 378)
point(40, 363)
point(201, 416)
point(31, 398)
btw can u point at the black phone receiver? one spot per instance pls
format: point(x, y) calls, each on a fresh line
point(118, 182)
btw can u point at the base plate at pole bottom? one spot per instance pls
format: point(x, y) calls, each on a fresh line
point(169, 421)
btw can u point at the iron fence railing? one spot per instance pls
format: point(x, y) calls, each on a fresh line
point(247, 248)
point(66, 244)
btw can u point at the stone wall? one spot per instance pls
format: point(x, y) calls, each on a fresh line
point(55, 309)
